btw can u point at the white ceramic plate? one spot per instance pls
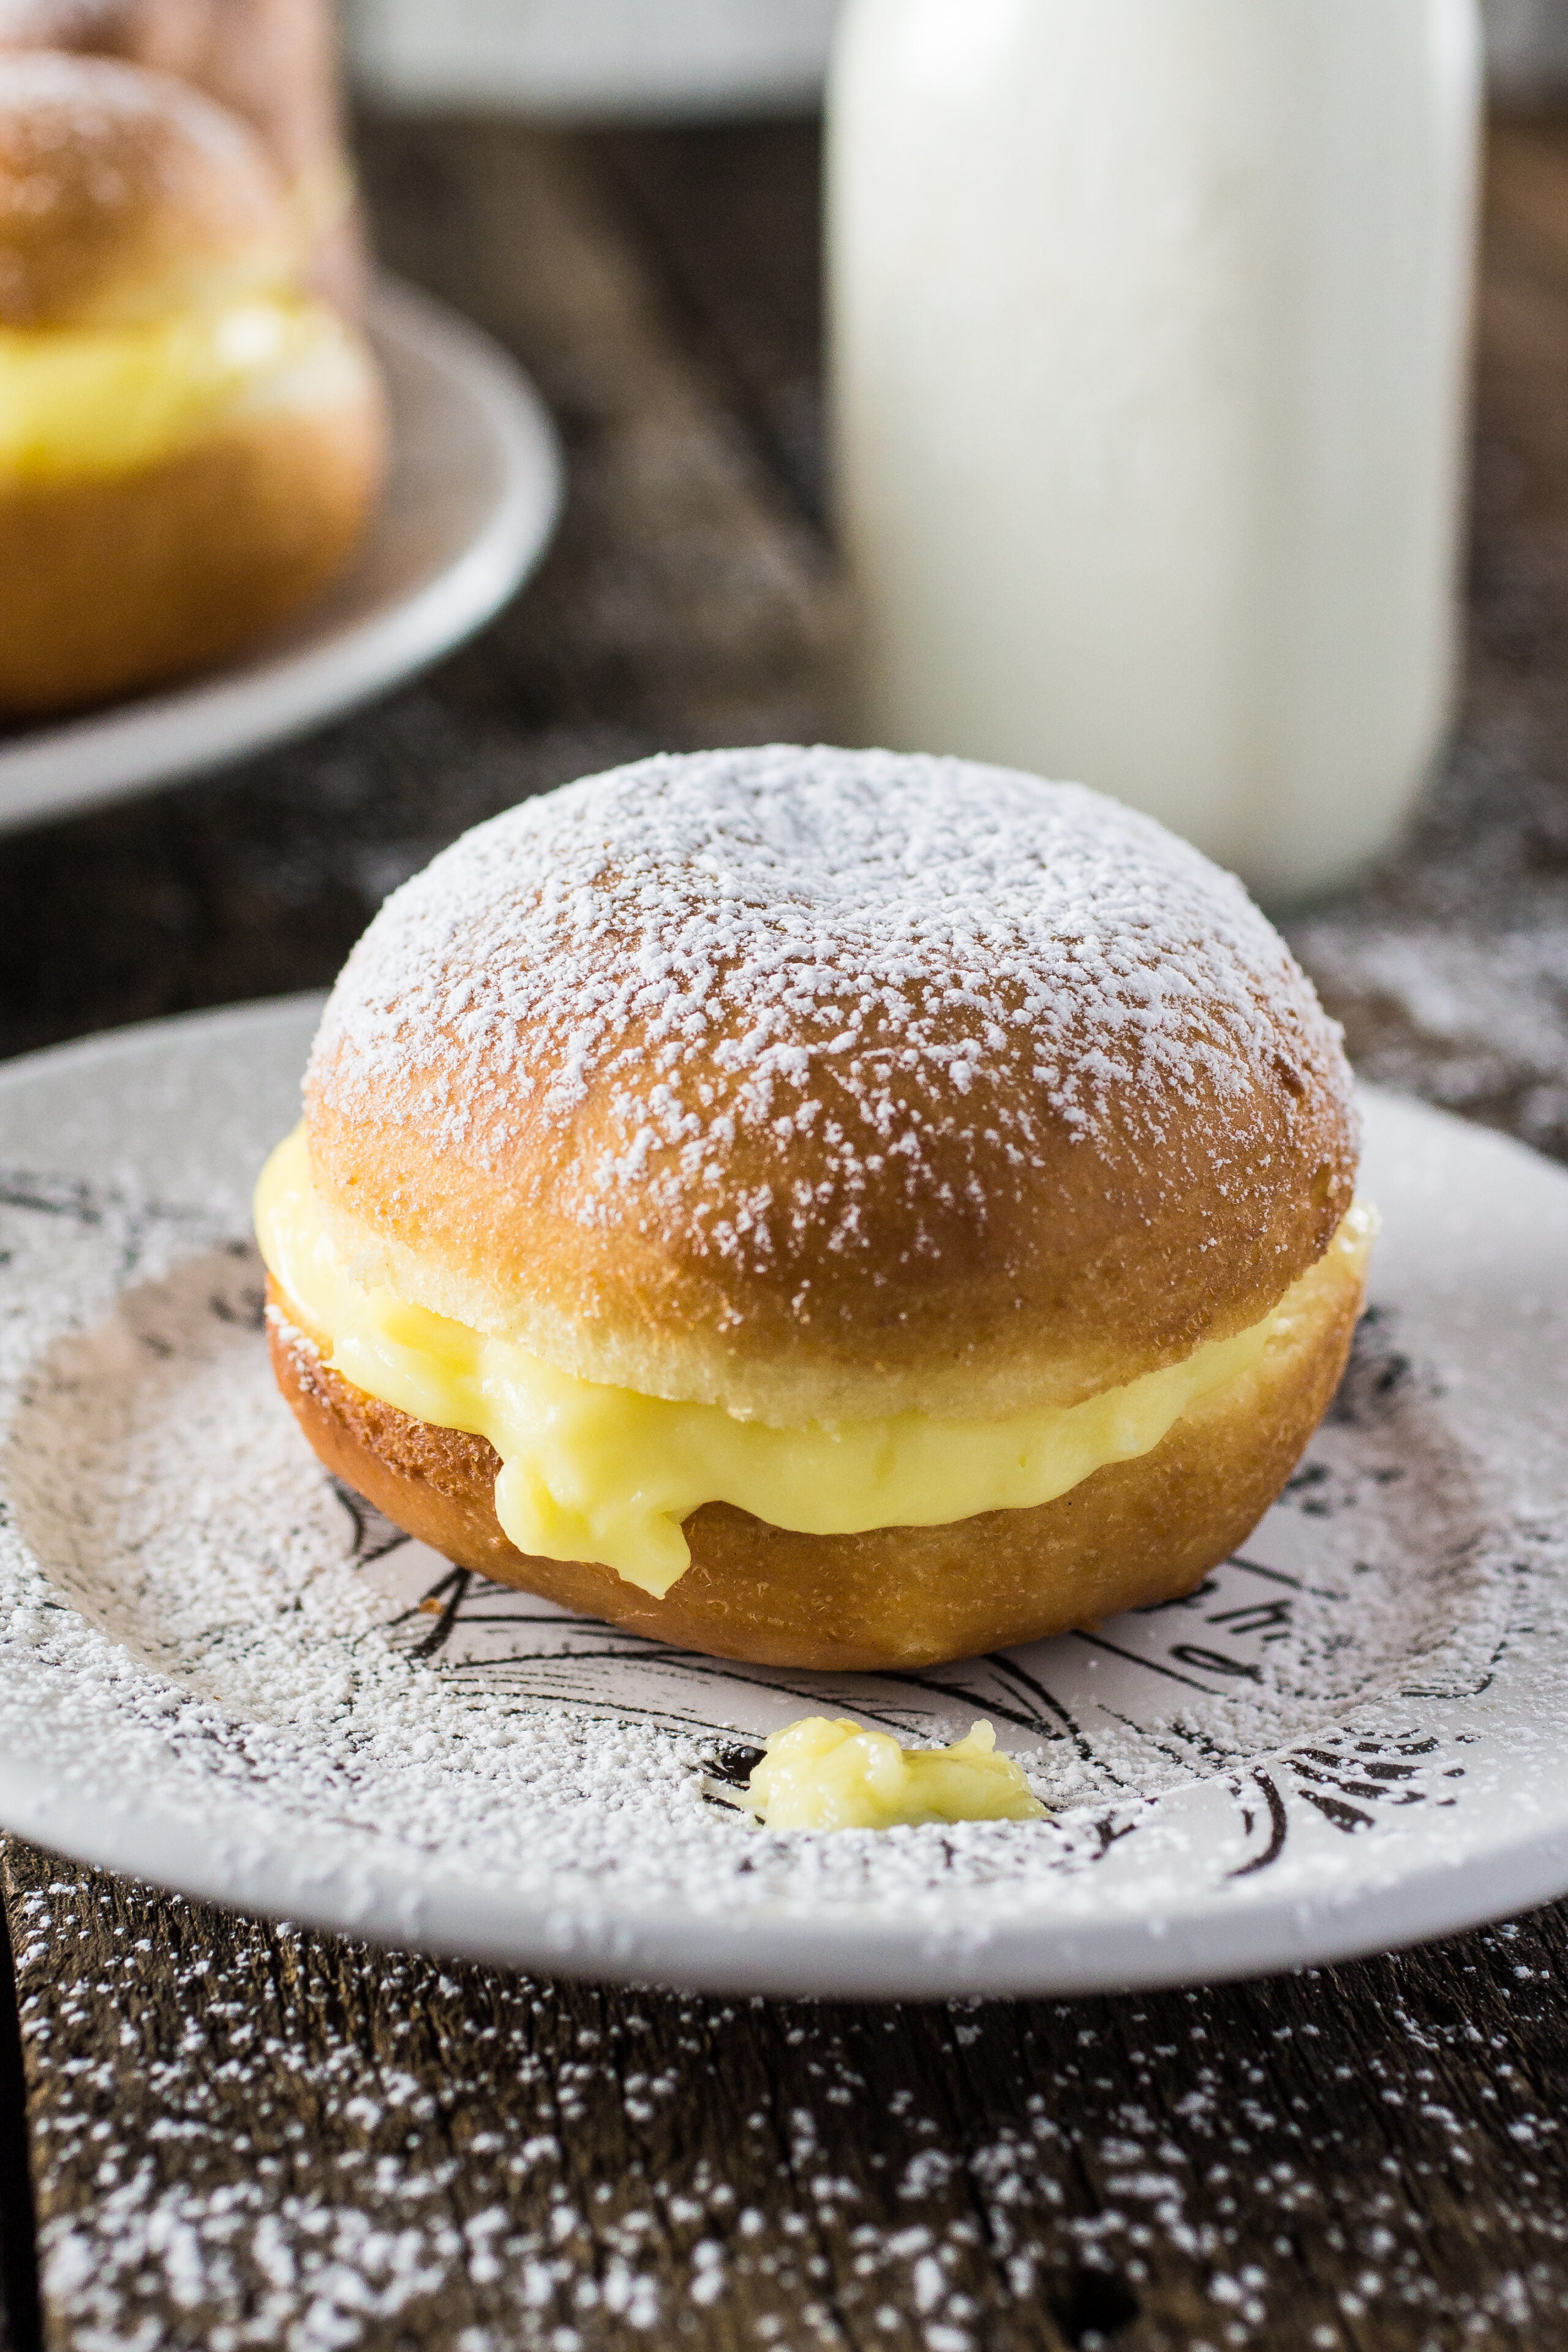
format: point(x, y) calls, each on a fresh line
point(218, 1672)
point(592, 56)
point(472, 496)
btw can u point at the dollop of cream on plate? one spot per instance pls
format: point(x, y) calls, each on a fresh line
point(823, 1773)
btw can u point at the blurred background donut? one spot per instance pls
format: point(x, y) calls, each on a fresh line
point(189, 437)
point(271, 62)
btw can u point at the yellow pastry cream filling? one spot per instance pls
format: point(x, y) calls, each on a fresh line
point(80, 402)
point(594, 1473)
point(818, 1774)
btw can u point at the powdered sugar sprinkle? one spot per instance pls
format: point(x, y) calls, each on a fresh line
point(874, 948)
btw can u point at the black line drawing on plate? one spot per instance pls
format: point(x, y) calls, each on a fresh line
point(1370, 1581)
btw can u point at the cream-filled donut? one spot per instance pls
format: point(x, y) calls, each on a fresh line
point(827, 1208)
point(189, 439)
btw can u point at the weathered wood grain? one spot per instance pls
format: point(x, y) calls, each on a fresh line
point(245, 2135)
point(257, 2136)
point(1446, 966)
point(681, 568)
point(18, 2281)
point(731, 226)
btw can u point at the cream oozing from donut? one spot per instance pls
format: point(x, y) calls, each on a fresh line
point(94, 402)
point(592, 1471)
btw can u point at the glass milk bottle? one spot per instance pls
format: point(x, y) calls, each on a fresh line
point(1149, 321)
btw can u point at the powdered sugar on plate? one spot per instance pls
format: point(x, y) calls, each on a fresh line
point(220, 1669)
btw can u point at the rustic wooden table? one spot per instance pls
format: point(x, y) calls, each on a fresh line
point(241, 2134)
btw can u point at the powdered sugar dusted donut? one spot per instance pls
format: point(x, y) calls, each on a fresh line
point(902, 1205)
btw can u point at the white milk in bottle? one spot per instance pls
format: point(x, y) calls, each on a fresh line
point(1149, 321)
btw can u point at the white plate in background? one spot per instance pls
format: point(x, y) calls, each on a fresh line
point(470, 501)
point(218, 1672)
point(592, 56)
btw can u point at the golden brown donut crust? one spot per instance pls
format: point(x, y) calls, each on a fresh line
point(126, 197)
point(1131, 1534)
point(955, 1314)
point(1002, 1188)
point(273, 63)
point(119, 581)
